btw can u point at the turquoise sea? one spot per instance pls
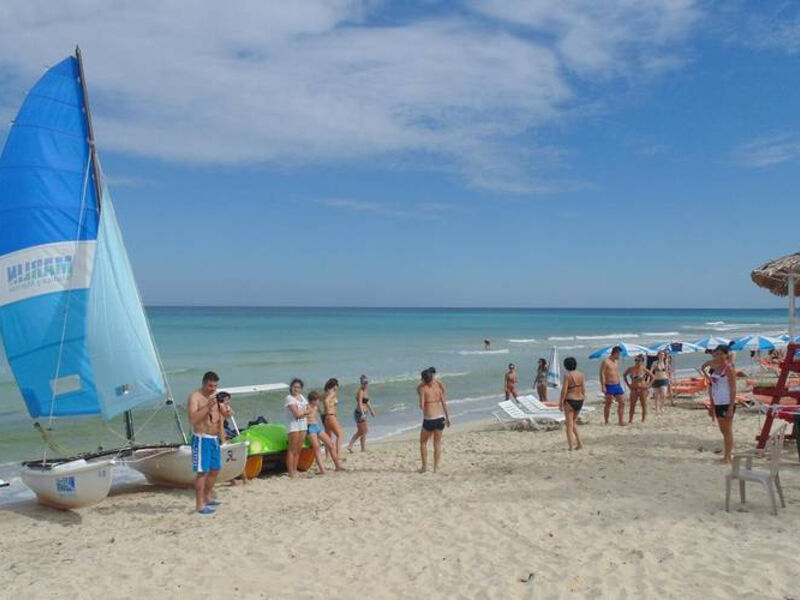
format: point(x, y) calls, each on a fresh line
point(268, 345)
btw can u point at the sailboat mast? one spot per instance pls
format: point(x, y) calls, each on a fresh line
point(90, 128)
point(98, 185)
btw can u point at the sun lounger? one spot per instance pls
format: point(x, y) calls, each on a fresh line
point(510, 412)
point(533, 404)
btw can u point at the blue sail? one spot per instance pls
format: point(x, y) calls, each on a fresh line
point(50, 313)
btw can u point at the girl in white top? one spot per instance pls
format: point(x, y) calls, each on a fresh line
point(295, 409)
point(722, 375)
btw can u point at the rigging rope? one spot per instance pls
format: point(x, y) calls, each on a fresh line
point(54, 385)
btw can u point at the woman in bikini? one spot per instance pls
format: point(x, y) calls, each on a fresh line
point(331, 417)
point(638, 379)
point(660, 370)
point(316, 434)
point(360, 415)
point(571, 402)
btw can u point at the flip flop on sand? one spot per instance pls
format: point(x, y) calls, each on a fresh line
point(206, 510)
point(214, 502)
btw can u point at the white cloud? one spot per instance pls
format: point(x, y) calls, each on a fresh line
point(766, 25)
point(609, 38)
point(298, 83)
point(769, 150)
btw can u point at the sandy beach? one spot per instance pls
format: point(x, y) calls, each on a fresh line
point(637, 514)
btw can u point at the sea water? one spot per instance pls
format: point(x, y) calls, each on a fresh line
point(391, 346)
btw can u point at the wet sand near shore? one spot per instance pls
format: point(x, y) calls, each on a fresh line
point(638, 513)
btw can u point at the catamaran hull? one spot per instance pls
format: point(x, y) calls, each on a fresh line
point(172, 467)
point(70, 485)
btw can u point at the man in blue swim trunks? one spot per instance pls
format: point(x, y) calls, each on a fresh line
point(206, 419)
point(611, 386)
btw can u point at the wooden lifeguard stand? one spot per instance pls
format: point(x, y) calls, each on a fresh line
point(790, 364)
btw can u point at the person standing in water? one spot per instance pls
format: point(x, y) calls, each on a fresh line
point(331, 417)
point(206, 420)
point(611, 387)
point(363, 407)
point(435, 418)
point(573, 394)
point(638, 379)
point(510, 382)
point(722, 375)
point(540, 381)
point(487, 343)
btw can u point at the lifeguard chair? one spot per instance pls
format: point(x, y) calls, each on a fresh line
point(790, 364)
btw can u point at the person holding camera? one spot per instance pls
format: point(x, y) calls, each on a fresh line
point(206, 419)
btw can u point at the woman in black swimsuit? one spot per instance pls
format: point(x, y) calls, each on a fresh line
point(360, 415)
point(571, 401)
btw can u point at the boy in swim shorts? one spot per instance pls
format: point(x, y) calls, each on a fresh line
point(611, 386)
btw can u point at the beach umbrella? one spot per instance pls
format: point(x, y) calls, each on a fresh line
point(553, 369)
point(757, 342)
point(711, 341)
point(627, 350)
point(781, 276)
point(676, 347)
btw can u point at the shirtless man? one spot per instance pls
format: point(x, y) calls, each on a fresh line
point(511, 382)
point(437, 381)
point(487, 343)
point(435, 418)
point(206, 420)
point(610, 384)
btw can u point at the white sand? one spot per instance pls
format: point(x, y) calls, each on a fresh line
point(637, 514)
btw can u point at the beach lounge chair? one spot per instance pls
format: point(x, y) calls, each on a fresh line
point(513, 413)
point(533, 405)
point(769, 479)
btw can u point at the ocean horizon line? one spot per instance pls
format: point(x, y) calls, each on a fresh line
point(464, 308)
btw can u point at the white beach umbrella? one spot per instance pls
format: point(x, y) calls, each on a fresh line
point(757, 342)
point(553, 369)
point(676, 347)
point(627, 350)
point(711, 342)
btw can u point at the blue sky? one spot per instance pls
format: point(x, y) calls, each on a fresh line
point(479, 153)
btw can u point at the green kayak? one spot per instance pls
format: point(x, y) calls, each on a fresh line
point(264, 438)
point(267, 449)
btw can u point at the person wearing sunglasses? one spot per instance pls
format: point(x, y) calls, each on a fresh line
point(638, 378)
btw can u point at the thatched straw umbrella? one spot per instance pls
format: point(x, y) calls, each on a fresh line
point(781, 277)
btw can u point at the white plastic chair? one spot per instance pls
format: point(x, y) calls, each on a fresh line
point(770, 479)
point(516, 414)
